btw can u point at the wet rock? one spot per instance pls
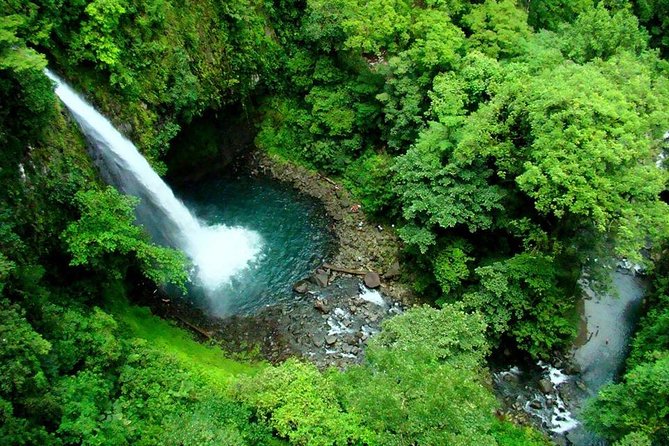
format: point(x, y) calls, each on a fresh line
point(320, 279)
point(372, 280)
point(319, 341)
point(392, 271)
point(535, 404)
point(330, 339)
point(545, 386)
point(572, 368)
point(511, 378)
point(322, 306)
point(301, 287)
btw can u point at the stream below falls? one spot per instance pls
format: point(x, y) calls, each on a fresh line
point(554, 394)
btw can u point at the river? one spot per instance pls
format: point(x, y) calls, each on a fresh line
point(554, 396)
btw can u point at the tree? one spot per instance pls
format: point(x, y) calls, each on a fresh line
point(521, 297)
point(107, 227)
point(498, 28)
point(301, 404)
point(550, 14)
point(640, 403)
point(421, 381)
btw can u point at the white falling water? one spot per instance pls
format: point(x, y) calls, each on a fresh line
point(218, 252)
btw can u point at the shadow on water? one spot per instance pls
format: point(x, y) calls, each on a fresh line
point(294, 229)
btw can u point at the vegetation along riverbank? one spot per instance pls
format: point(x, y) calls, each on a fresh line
point(478, 165)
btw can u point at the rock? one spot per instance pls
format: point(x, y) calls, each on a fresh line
point(319, 341)
point(545, 386)
point(330, 339)
point(392, 271)
point(320, 279)
point(581, 385)
point(535, 404)
point(511, 378)
point(301, 287)
point(572, 368)
point(322, 306)
point(372, 280)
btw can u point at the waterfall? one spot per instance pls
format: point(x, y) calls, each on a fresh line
point(218, 252)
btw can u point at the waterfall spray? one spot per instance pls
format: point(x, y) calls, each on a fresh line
point(218, 252)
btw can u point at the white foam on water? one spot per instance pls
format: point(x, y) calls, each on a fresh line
point(561, 419)
point(372, 296)
point(336, 322)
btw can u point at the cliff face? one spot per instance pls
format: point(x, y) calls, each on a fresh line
point(154, 66)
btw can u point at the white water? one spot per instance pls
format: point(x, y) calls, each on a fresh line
point(218, 252)
point(372, 296)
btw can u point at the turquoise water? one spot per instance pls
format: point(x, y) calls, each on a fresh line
point(295, 239)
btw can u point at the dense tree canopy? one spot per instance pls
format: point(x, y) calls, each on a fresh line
point(516, 145)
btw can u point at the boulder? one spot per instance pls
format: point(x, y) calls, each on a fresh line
point(330, 339)
point(545, 386)
point(322, 306)
point(301, 287)
point(372, 280)
point(320, 279)
point(392, 271)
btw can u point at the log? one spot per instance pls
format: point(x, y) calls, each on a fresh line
point(329, 181)
point(344, 270)
point(203, 332)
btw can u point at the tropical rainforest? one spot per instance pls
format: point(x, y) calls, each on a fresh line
point(515, 145)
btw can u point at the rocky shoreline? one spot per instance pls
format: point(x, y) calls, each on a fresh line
point(331, 313)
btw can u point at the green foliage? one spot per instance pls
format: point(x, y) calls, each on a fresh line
point(98, 39)
point(550, 14)
point(498, 28)
point(638, 404)
point(21, 352)
point(654, 14)
point(508, 434)
point(107, 226)
point(301, 404)
point(367, 178)
point(520, 296)
point(451, 268)
point(634, 439)
point(422, 381)
point(600, 33)
point(445, 196)
point(14, 55)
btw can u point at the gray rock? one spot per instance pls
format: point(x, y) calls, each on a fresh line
point(319, 341)
point(330, 339)
point(322, 306)
point(301, 287)
point(372, 280)
point(545, 386)
point(392, 271)
point(320, 279)
point(511, 378)
point(534, 404)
